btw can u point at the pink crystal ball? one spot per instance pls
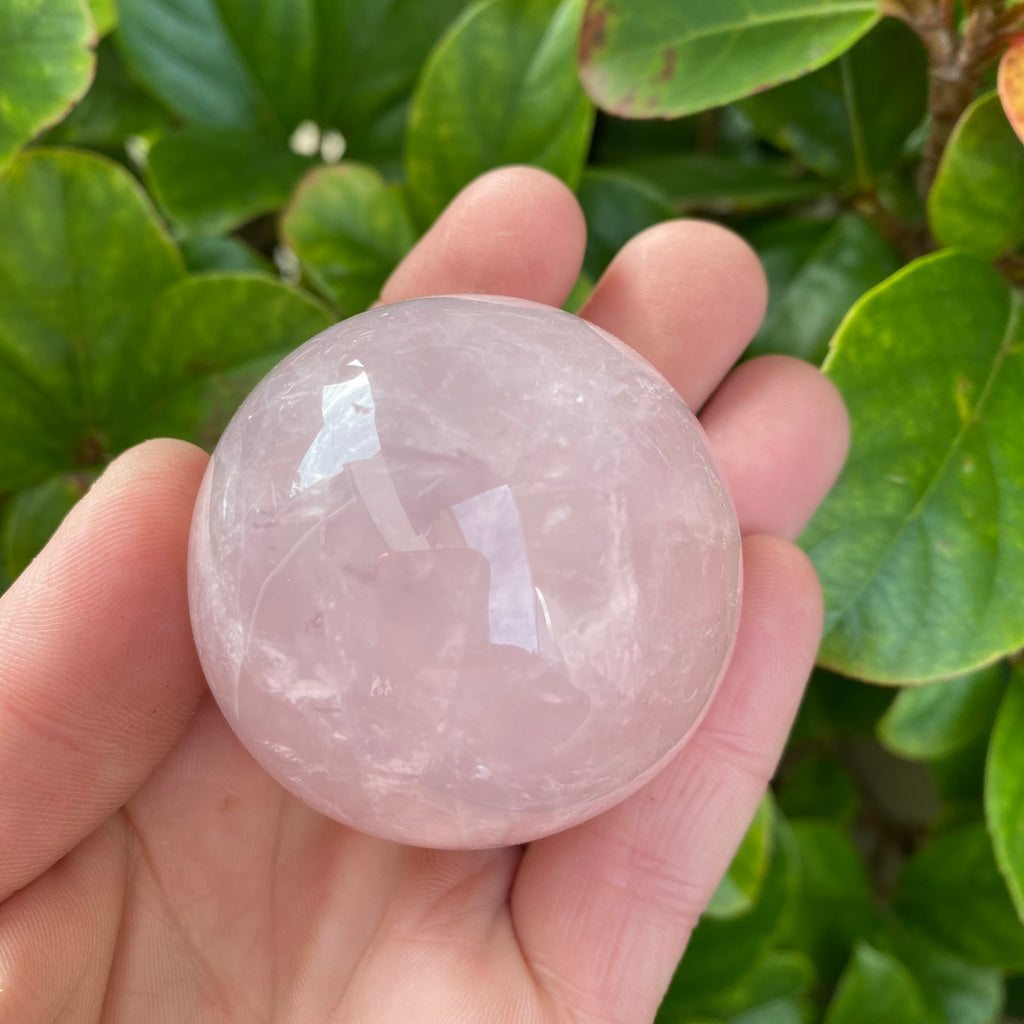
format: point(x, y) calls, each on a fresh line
point(463, 572)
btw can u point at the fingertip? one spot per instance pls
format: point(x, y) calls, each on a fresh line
point(162, 455)
point(726, 255)
point(515, 231)
point(688, 295)
point(134, 519)
point(780, 630)
point(780, 432)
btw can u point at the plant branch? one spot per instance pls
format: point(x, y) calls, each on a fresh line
point(956, 59)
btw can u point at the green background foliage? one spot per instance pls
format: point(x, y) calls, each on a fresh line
point(191, 188)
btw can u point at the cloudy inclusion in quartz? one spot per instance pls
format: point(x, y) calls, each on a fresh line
point(462, 572)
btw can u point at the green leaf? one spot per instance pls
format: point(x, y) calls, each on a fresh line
point(877, 989)
point(114, 108)
point(957, 992)
point(665, 59)
point(977, 201)
point(835, 706)
point(33, 516)
point(349, 230)
point(210, 180)
point(722, 952)
point(920, 546)
point(850, 120)
point(817, 786)
point(778, 1011)
point(252, 63)
point(46, 63)
point(940, 718)
point(256, 70)
point(210, 339)
point(1014, 998)
point(104, 15)
point(500, 88)
point(617, 140)
point(960, 781)
point(617, 205)
point(581, 292)
point(951, 890)
point(741, 885)
point(724, 185)
point(103, 341)
point(816, 271)
point(774, 991)
point(222, 253)
point(5, 578)
point(1004, 789)
point(82, 256)
point(835, 908)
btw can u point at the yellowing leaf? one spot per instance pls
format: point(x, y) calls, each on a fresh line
point(1011, 84)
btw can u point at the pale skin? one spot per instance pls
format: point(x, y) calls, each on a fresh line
point(151, 872)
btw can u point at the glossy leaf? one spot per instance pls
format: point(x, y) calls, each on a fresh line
point(349, 230)
point(721, 952)
point(617, 205)
point(103, 341)
point(665, 59)
point(210, 180)
point(46, 63)
point(525, 104)
point(114, 108)
point(850, 120)
point(618, 139)
point(774, 991)
point(835, 907)
point(835, 706)
point(940, 718)
point(920, 547)
point(741, 885)
point(1011, 84)
point(816, 271)
point(877, 989)
point(956, 992)
point(104, 15)
point(255, 70)
point(252, 63)
point(81, 257)
point(952, 891)
point(723, 184)
point(5, 577)
point(222, 252)
point(210, 339)
point(818, 786)
point(34, 515)
point(1004, 789)
point(960, 780)
point(977, 201)
point(778, 1011)
point(581, 292)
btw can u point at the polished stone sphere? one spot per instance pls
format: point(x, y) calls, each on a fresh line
point(463, 572)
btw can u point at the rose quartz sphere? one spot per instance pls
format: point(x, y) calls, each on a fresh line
point(463, 572)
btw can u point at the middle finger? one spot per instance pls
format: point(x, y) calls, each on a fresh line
point(688, 296)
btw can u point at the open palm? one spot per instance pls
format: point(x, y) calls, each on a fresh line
point(151, 872)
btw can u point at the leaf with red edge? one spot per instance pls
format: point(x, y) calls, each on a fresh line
point(1011, 84)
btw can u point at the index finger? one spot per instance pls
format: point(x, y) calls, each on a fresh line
point(98, 673)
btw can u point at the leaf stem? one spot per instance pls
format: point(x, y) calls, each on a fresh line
point(957, 58)
point(856, 127)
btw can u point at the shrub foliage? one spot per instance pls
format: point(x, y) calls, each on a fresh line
point(190, 188)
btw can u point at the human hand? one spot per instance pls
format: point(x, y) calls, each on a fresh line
point(151, 871)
